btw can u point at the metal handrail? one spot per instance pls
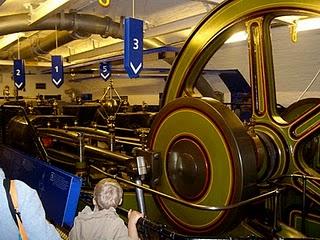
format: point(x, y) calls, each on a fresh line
point(304, 193)
point(296, 176)
point(274, 193)
point(193, 205)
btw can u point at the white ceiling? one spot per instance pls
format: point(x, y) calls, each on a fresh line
point(169, 21)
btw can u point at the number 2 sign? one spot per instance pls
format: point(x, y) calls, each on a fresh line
point(19, 73)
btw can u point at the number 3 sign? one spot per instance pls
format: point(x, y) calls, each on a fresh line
point(133, 46)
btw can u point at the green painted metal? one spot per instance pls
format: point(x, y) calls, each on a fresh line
point(204, 41)
point(229, 154)
point(287, 133)
point(312, 224)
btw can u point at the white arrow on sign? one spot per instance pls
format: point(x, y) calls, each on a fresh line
point(18, 85)
point(105, 76)
point(135, 70)
point(56, 82)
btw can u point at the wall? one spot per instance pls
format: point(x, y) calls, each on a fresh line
point(137, 90)
point(30, 91)
point(295, 64)
point(294, 71)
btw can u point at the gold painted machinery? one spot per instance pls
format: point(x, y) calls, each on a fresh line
point(208, 172)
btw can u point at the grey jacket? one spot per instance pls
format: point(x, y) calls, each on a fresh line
point(98, 225)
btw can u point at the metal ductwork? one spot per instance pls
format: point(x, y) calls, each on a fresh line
point(45, 45)
point(81, 25)
point(36, 46)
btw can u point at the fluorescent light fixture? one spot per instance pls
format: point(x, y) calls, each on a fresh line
point(308, 24)
point(303, 23)
point(27, 63)
point(46, 9)
point(289, 19)
point(237, 37)
point(9, 39)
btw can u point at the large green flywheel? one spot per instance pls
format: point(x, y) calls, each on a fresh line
point(208, 159)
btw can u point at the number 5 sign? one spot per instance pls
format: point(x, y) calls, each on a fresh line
point(57, 70)
point(105, 70)
point(133, 46)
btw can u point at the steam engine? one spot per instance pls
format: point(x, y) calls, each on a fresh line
point(195, 166)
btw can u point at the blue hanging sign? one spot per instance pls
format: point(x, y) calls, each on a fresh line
point(57, 70)
point(19, 73)
point(105, 70)
point(133, 46)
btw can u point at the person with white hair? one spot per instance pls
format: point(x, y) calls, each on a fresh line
point(26, 209)
point(103, 223)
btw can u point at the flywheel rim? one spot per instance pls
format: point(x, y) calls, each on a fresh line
point(228, 177)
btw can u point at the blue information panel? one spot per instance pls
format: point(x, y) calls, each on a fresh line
point(133, 46)
point(19, 73)
point(57, 70)
point(58, 190)
point(105, 70)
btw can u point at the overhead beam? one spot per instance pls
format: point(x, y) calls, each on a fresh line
point(96, 52)
point(149, 35)
point(28, 63)
point(209, 2)
point(10, 39)
point(172, 27)
point(154, 54)
point(46, 9)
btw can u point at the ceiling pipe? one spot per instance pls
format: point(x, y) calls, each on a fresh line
point(35, 46)
point(82, 23)
point(47, 44)
point(150, 40)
